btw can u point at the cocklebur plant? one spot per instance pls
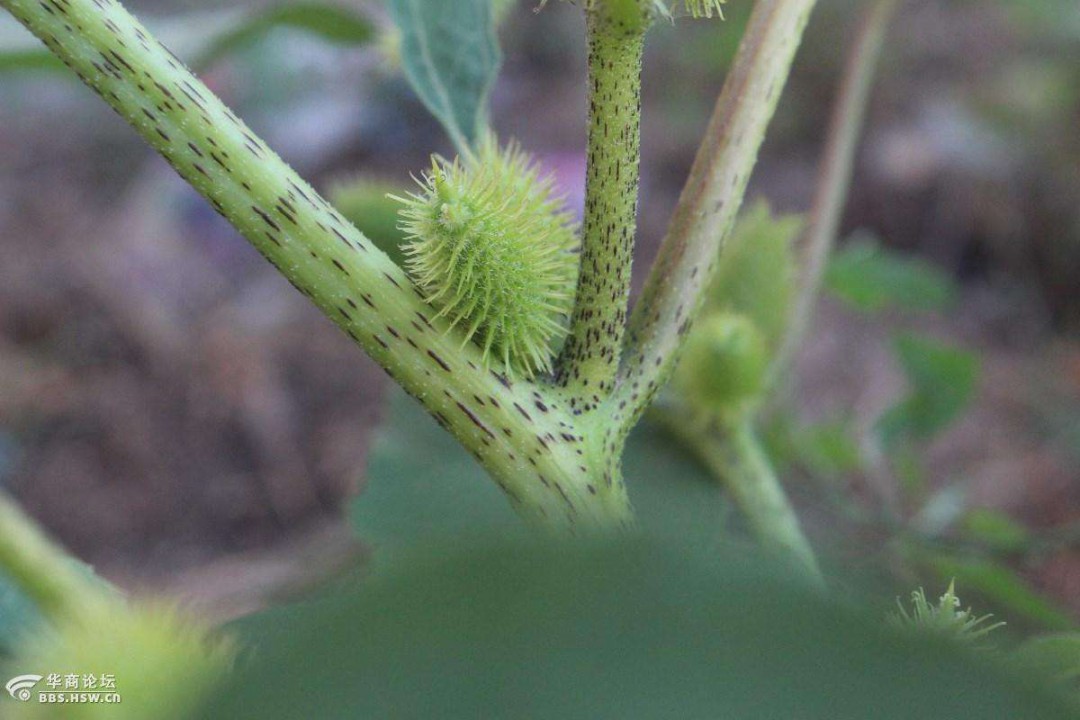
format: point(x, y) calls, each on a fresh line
point(469, 319)
point(552, 442)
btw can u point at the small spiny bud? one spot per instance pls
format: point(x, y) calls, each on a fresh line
point(724, 365)
point(705, 8)
point(495, 250)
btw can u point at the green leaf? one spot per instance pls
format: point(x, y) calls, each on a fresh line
point(673, 495)
point(420, 483)
point(627, 630)
point(500, 9)
point(332, 23)
point(942, 380)
point(827, 449)
point(17, 614)
point(872, 278)
point(756, 273)
point(995, 529)
point(451, 58)
point(201, 38)
point(1055, 656)
point(19, 50)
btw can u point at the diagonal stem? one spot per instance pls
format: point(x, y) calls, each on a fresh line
point(710, 200)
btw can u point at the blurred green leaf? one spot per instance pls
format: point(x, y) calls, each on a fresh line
point(995, 530)
point(420, 483)
point(942, 380)
point(827, 449)
point(1054, 656)
point(1056, 18)
point(333, 23)
point(629, 629)
point(672, 494)
point(17, 614)
point(1001, 585)
point(451, 57)
point(19, 50)
point(500, 9)
point(756, 273)
point(203, 37)
point(872, 278)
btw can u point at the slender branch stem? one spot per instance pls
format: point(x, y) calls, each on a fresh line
point(616, 33)
point(522, 433)
point(834, 182)
point(710, 200)
point(47, 574)
point(735, 456)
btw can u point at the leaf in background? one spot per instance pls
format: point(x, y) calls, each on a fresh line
point(672, 494)
point(942, 380)
point(628, 630)
point(500, 9)
point(872, 278)
point(827, 449)
point(756, 272)
point(332, 23)
point(995, 529)
point(1001, 585)
point(1055, 656)
point(422, 484)
point(451, 57)
point(19, 50)
point(17, 614)
point(203, 37)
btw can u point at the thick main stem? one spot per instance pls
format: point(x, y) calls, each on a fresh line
point(590, 358)
point(709, 203)
point(524, 434)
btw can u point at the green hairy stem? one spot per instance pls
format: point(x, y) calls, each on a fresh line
point(522, 433)
point(616, 37)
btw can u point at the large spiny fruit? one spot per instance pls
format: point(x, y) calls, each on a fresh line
point(496, 251)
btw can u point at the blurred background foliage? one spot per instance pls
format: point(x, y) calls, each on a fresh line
point(172, 411)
